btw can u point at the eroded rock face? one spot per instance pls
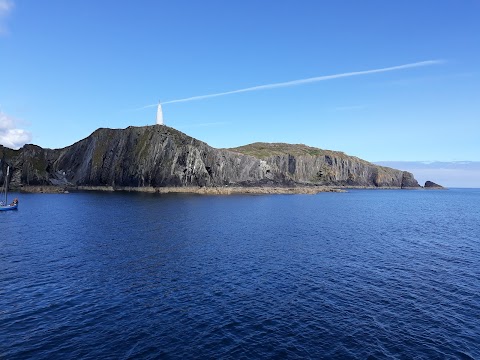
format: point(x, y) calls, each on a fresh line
point(431, 184)
point(307, 165)
point(159, 156)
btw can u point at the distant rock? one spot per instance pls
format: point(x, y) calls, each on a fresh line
point(431, 185)
point(159, 156)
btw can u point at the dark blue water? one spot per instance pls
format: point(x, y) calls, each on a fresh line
point(364, 274)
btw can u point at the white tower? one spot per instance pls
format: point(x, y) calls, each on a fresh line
point(159, 114)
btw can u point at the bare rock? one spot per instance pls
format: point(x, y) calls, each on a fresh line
point(431, 185)
point(159, 156)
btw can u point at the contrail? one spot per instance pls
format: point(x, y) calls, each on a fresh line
point(304, 81)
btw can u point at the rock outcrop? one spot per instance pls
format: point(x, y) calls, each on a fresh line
point(431, 185)
point(160, 156)
point(307, 165)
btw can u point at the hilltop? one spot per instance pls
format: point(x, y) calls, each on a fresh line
point(156, 157)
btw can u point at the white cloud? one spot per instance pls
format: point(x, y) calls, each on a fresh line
point(10, 135)
point(6, 7)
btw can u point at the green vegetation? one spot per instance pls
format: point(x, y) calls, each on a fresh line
point(7, 152)
point(143, 144)
point(266, 150)
point(99, 153)
point(39, 164)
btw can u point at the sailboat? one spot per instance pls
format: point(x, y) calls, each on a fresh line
point(4, 206)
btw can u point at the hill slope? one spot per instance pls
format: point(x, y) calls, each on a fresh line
point(160, 156)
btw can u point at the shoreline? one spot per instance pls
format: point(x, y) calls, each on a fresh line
point(226, 190)
point(230, 190)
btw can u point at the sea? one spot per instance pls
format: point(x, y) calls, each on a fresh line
point(366, 274)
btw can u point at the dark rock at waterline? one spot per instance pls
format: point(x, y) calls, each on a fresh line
point(431, 185)
point(160, 156)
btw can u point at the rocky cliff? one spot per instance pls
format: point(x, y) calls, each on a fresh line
point(160, 156)
point(308, 165)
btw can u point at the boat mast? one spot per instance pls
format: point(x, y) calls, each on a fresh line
point(6, 184)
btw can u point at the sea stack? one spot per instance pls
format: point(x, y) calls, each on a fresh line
point(432, 185)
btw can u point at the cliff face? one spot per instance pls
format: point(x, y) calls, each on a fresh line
point(304, 164)
point(159, 156)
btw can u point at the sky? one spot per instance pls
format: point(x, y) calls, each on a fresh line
point(450, 174)
point(380, 80)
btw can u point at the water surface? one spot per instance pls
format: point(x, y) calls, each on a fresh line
point(362, 274)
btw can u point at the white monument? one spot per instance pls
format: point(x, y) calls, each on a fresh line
point(159, 114)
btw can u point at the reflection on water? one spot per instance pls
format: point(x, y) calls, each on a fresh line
point(365, 273)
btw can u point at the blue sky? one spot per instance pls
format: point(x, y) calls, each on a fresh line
point(461, 174)
point(70, 67)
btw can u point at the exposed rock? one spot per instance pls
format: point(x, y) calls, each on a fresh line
point(160, 156)
point(202, 190)
point(431, 185)
point(307, 165)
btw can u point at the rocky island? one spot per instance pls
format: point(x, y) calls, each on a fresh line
point(431, 185)
point(162, 159)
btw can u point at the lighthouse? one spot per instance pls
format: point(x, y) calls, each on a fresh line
point(159, 114)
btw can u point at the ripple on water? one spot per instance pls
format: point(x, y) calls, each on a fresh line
point(384, 274)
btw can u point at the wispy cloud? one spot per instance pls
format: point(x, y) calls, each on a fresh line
point(304, 81)
point(10, 135)
point(6, 7)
